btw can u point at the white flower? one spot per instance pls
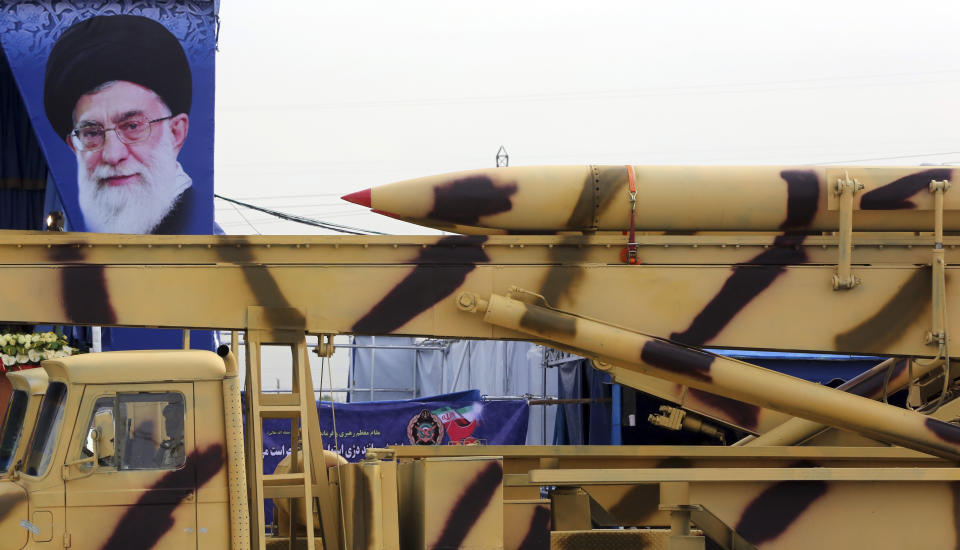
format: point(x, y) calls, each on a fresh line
point(22, 359)
point(33, 355)
point(46, 354)
point(21, 339)
point(3, 340)
point(8, 360)
point(67, 350)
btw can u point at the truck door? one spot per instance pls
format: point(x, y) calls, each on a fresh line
point(142, 491)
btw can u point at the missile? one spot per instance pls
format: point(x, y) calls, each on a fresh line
point(550, 199)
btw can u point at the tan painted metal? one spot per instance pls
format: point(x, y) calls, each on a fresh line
point(33, 384)
point(845, 188)
point(221, 277)
point(298, 405)
point(796, 430)
point(236, 461)
point(727, 198)
point(726, 475)
point(720, 375)
point(368, 509)
point(429, 490)
point(283, 287)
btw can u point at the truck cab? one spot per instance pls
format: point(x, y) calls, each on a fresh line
point(28, 389)
point(127, 452)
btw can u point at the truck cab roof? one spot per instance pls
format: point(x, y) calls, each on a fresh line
point(118, 367)
point(33, 381)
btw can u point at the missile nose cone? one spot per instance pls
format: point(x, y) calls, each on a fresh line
point(360, 197)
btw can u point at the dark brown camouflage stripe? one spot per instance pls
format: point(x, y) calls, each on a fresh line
point(745, 283)
point(639, 501)
point(262, 284)
point(776, 508)
point(151, 517)
point(742, 414)
point(596, 193)
point(671, 357)
point(748, 280)
point(896, 194)
point(944, 430)
point(547, 322)
point(427, 283)
point(561, 281)
point(466, 200)
point(474, 500)
point(9, 501)
point(538, 535)
point(891, 320)
point(803, 196)
point(83, 288)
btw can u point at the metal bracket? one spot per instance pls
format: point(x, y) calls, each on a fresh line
point(845, 188)
point(938, 335)
point(528, 296)
point(325, 347)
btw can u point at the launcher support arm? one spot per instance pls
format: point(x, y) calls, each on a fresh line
point(719, 375)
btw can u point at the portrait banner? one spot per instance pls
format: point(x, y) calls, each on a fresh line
point(121, 98)
point(120, 95)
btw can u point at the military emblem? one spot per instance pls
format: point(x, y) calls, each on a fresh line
point(425, 429)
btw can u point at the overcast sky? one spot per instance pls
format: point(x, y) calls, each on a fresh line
point(319, 99)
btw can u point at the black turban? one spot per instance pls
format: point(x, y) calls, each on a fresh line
point(114, 47)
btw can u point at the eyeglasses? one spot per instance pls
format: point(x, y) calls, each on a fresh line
point(131, 130)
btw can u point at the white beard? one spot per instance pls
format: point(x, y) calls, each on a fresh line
point(137, 207)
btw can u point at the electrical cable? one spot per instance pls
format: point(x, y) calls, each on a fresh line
point(325, 362)
point(300, 219)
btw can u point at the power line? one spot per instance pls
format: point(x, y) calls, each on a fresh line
point(863, 81)
point(300, 219)
point(897, 157)
point(237, 208)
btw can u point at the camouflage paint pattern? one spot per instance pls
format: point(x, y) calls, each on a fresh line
point(451, 503)
point(712, 290)
point(669, 198)
point(723, 376)
point(181, 508)
point(705, 289)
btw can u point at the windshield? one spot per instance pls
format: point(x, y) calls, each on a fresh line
point(45, 433)
point(12, 428)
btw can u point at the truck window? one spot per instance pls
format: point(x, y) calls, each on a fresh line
point(45, 433)
point(150, 431)
point(102, 420)
point(12, 428)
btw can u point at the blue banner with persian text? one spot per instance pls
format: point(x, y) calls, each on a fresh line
point(449, 419)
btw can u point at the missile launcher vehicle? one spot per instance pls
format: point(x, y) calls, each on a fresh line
point(643, 270)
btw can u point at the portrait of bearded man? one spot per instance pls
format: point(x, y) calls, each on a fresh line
point(118, 90)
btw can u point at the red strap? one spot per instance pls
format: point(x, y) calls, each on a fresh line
point(630, 252)
point(633, 196)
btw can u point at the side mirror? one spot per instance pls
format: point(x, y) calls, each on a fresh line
point(81, 465)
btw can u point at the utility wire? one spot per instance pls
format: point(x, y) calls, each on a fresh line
point(887, 158)
point(240, 212)
point(300, 219)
